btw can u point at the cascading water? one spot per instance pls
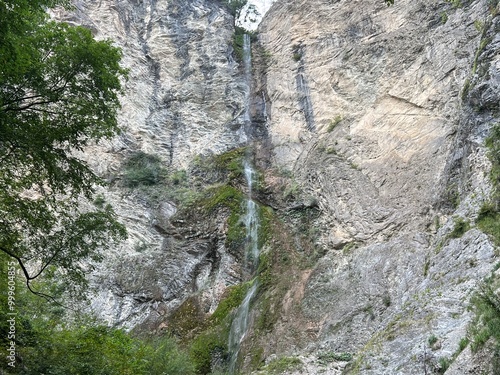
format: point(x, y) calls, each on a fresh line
point(240, 322)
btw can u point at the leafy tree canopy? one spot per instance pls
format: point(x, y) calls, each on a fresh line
point(58, 93)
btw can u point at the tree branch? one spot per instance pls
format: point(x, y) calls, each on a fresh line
point(29, 278)
point(20, 261)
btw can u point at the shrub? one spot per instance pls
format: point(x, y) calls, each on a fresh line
point(205, 347)
point(142, 169)
point(328, 357)
point(283, 365)
point(333, 123)
point(461, 226)
point(432, 340)
point(488, 220)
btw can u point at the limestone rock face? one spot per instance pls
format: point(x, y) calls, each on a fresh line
point(369, 111)
point(183, 98)
point(377, 114)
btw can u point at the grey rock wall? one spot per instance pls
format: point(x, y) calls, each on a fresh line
point(379, 114)
point(405, 158)
point(183, 98)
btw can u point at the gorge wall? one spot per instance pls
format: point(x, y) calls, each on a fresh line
point(369, 129)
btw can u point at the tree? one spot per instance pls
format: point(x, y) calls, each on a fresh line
point(58, 93)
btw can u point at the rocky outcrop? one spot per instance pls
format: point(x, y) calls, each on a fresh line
point(369, 125)
point(183, 99)
point(394, 155)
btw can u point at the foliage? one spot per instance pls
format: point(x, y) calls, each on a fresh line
point(58, 93)
point(486, 325)
point(493, 145)
point(488, 221)
point(187, 320)
point(283, 365)
point(141, 168)
point(236, 8)
point(443, 364)
point(145, 174)
point(461, 226)
point(235, 297)
point(455, 3)
point(333, 123)
point(49, 341)
point(206, 346)
point(444, 17)
point(328, 357)
point(432, 339)
point(238, 40)
point(232, 198)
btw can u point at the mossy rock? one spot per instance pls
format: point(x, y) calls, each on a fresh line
point(188, 320)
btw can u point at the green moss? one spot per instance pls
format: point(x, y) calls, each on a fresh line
point(444, 17)
point(333, 123)
point(461, 226)
point(231, 161)
point(223, 195)
point(488, 221)
point(264, 271)
point(233, 199)
point(283, 365)
point(187, 320)
point(235, 296)
point(269, 306)
point(328, 357)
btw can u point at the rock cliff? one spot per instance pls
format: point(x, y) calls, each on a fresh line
point(369, 125)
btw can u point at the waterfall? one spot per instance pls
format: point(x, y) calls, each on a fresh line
point(240, 322)
point(239, 328)
point(247, 64)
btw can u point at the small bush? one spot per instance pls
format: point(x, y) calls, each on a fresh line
point(283, 365)
point(462, 344)
point(205, 347)
point(461, 226)
point(488, 221)
point(443, 365)
point(486, 325)
point(143, 169)
point(432, 340)
point(328, 357)
point(333, 123)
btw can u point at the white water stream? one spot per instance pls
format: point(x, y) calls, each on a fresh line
point(239, 326)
